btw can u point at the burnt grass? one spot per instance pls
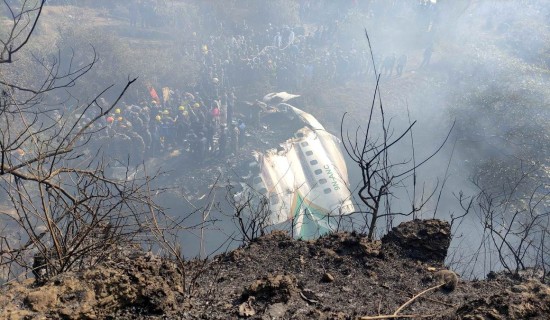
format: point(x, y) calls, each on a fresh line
point(344, 276)
point(339, 276)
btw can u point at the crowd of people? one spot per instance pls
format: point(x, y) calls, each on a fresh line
point(200, 120)
point(174, 120)
point(287, 57)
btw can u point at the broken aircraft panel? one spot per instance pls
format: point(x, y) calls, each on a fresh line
point(305, 180)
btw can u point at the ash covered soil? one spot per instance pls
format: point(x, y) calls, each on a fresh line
point(339, 276)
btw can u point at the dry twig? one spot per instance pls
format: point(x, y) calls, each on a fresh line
point(403, 306)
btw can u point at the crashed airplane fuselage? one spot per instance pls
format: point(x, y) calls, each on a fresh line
point(305, 180)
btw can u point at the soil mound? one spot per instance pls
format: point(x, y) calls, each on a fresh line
point(339, 276)
point(424, 240)
point(528, 299)
point(138, 283)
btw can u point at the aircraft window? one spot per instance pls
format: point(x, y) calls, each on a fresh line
point(304, 144)
point(263, 191)
point(323, 181)
point(309, 153)
point(327, 190)
point(318, 171)
point(313, 162)
point(257, 180)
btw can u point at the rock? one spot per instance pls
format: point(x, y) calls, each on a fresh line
point(424, 240)
point(273, 288)
point(531, 302)
point(10, 314)
point(519, 288)
point(276, 311)
point(246, 310)
point(43, 300)
point(352, 244)
point(448, 278)
point(309, 296)
point(329, 252)
point(327, 277)
point(338, 316)
point(235, 255)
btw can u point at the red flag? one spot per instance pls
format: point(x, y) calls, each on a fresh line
point(154, 94)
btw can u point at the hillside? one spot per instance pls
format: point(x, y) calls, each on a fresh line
point(340, 276)
point(488, 80)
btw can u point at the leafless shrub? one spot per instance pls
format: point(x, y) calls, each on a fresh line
point(251, 213)
point(370, 148)
point(515, 222)
point(67, 212)
point(512, 226)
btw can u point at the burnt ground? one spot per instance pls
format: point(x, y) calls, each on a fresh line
point(339, 276)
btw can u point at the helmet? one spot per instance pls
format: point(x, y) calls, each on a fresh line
point(185, 113)
point(117, 111)
point(119, 118)
point(215, 80)
point(181, 108)
point(165, 112)
point(196, 105)
point(110, 119)
point(158, 118)
point(154, 101)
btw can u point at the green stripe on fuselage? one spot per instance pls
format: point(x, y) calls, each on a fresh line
point(314, 222)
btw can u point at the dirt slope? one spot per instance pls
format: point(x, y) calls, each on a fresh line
point(340, 276)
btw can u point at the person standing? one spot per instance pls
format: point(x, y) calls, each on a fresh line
point(215, 112)
point(223, 141)
point(291, 38)
point(401, 62)
point(133, 12)
point(387, 66)
point(242, 131)
point(230, 107)
point(427, 55)
point(235, 140)
point(210, 130)
point(277, 40)
point(203, 147)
